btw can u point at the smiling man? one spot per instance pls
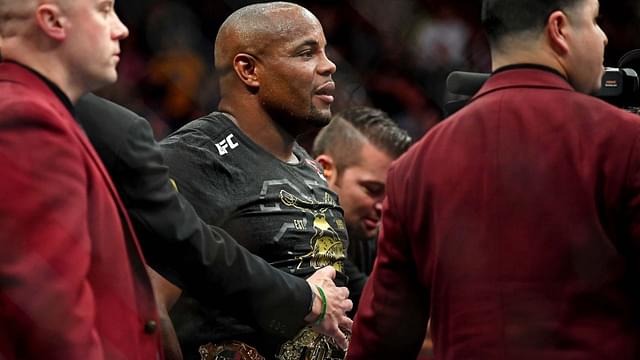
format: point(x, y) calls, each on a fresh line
point(243, 171)
point(73, 283)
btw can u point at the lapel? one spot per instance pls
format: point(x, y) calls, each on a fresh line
point(15, 73)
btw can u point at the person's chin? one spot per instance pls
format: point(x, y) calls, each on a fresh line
point(113, 78)
point(371, 235)
point(367, 233)
point(102, 81)
point(109, 74)
point(595, 88)
point(321, 118)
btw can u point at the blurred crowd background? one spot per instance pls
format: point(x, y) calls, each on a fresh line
point(390, 54)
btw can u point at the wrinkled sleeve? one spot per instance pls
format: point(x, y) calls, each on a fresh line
point(46, 302)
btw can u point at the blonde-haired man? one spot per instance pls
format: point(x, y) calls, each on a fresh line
point(73, 283)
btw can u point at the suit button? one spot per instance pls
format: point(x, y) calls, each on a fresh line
point(150, 327)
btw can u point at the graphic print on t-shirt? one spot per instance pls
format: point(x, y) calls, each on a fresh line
point(327, 248)
point(284, 213)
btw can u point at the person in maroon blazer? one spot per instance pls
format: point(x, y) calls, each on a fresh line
point(73, 283)
point(515, 224)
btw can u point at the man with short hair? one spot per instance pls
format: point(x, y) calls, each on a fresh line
point(242, 170)
point(73, 283)
point(355, 151)
point(514, 225)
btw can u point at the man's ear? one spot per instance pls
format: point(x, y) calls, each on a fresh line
point(51, 21)
point(245, 67)
point(329, 169)
point(558, 32)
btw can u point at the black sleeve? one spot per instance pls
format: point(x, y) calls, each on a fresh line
point(203, 260)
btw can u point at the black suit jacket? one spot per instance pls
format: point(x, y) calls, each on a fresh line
point(201, 259)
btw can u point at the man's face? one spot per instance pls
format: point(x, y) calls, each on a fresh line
point(585, 63)
point(92, 42)
point(295, 73)
point(361, 189)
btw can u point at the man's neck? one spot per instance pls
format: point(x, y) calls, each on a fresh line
point(262, 130)
point(533, 53)
point(46, 65)
point(55, 88)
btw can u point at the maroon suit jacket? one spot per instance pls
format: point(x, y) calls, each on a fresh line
point(515, 225)
point(72, 279)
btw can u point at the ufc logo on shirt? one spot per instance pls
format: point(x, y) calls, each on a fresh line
point(226, 143)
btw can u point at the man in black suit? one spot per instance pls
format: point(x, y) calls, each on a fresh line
point(194, 256)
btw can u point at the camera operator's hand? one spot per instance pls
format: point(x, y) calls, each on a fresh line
point(335, 319)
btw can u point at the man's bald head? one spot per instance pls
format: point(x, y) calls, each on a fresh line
point(14, 14)
point(73, 43)
point(272, 63)
point(252, 29)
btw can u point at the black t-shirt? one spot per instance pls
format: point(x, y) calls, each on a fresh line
point(283, 212)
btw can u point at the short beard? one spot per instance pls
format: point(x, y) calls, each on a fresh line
point(317, 119)
point(297, 126)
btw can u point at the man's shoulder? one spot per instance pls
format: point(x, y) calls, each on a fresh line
point(25, 94)
point(201, 146)
point(19, 101)
point(104, 117)
point(214, 134)
point(607, 118)
point(569, 112)
point(542, 103)
point(211, 125)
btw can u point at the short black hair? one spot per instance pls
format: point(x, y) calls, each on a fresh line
point(349, 129)
point(508, 17)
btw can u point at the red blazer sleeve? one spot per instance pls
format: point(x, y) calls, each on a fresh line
point(46, 304)
point(393, 295)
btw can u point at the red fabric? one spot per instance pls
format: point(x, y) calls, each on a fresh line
point(72, 279)
point(515, 224)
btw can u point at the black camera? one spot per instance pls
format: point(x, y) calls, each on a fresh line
point(620, 85)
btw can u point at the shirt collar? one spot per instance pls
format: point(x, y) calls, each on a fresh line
point(530, 66)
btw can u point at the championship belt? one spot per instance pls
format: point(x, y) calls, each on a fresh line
point(229, 350)
point(309, 345)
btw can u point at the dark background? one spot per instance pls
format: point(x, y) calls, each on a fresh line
point(391, 54)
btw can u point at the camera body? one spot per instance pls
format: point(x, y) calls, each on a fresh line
point(621, 87)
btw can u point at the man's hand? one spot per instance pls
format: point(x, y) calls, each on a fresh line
point(335, 320)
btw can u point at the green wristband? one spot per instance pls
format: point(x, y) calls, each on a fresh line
point(324, 305)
